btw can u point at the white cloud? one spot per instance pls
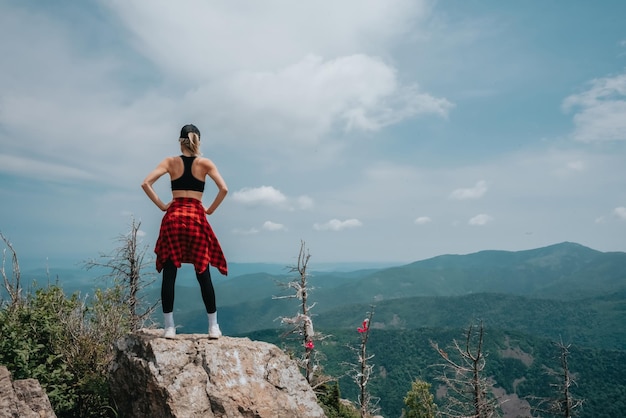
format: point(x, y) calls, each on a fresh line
point(337, 225)
point(599, 110)
point(470, 193)
point(199, 40)
point(422, 220)
point(577, 165)
point(271, 72)
point(58, 101)
point(620, 212)
point(28, 167)
point(265, 195)
point(480, 220)
point(304, 202)
point(250, 231)
point(267, 226)
point(272, 226)
point(270, 196)
point(302, 102)
point(281, 80)
point(567, 168)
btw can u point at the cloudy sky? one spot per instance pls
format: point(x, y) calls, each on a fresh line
point(374, 130)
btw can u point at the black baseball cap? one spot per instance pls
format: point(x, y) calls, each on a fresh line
point(187, 129)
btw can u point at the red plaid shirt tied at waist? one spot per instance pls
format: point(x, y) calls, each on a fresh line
point(187, 237)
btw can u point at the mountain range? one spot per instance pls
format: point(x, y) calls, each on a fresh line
point(562, 289)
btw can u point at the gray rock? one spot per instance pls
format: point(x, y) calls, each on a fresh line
point(192, 376)
point(22, 398)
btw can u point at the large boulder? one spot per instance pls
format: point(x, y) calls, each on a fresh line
point(192, 376)
point(22, 398)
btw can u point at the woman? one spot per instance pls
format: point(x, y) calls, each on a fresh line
point(185, 235)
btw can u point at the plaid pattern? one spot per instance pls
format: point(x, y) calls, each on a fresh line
point(187, 237)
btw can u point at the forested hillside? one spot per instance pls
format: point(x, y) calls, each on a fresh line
point(517, 362)
point(505, 296)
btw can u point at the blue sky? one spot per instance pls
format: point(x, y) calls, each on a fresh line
point(378, 131)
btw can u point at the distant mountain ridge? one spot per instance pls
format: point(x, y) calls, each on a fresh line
point(560, 271)
point(564, 273)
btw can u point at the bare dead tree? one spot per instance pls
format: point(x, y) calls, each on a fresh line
point(564, 404)
point(361, 372)
point(11, 281)
point(468, 390)
point(301, 324)
point(126, 267)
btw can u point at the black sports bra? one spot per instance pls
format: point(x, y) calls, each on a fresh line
point(187, 181)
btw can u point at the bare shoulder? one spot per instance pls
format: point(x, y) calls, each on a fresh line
point(169, 161)
point(206, 163)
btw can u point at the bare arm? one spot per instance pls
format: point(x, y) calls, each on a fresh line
point(154, 175)
point(222, 189)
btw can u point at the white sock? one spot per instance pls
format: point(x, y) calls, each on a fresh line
point(168, 320)
point(212, 319)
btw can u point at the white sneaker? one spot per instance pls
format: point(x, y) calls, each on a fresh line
point(170, 332)
point(214, 332)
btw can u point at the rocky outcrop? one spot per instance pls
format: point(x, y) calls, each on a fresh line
point(191, 376)
point(22, 398)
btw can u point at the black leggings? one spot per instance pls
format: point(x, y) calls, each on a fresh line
point(167, 288)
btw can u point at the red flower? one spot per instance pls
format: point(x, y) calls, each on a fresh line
point(309, 345)
point(365, 327)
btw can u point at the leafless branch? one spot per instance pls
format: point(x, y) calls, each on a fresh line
point(126, 266)
point(564, 404)
point(469, 391)
point(13, 284)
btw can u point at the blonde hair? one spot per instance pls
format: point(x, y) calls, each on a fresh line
point(192, 143)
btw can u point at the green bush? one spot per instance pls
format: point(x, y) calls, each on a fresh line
point(419, 401)
point(30, 336)
point(329, 398)
point(65, 344)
